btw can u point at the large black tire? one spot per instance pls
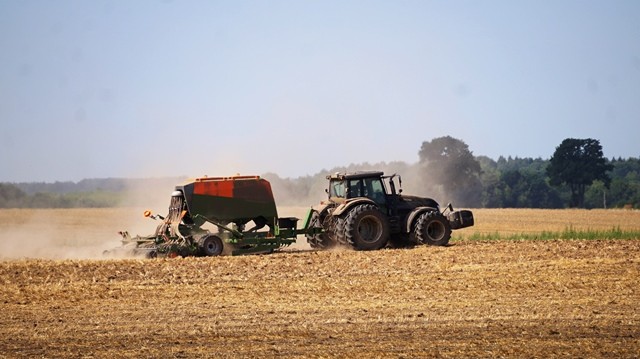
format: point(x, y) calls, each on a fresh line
point(211, 245)
point(432, 228)
point(318, 240)
point(366, 228)
point(337, 230)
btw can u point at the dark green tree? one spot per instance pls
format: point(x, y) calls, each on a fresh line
point(490, 180)
point(625, 191)
point(449, 164)
point(577, 163)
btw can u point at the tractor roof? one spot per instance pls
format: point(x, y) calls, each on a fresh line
point(355, 175)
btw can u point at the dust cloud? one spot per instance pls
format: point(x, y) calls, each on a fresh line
point(83, 233)
point(153, 194)
point(65, 233)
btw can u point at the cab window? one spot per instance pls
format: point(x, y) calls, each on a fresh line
point(355, 188)
point(375, 190)
point(337, 189)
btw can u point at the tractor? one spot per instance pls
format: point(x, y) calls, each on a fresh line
point(365, 211)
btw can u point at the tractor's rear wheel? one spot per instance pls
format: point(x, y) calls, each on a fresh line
point(211, 245)
point(433, 228)
point(366, 228)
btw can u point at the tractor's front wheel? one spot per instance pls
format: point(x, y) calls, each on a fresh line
point(433, 228)
point(366, 228)
point(211, 245)
point(318, 240)
point(337, 230)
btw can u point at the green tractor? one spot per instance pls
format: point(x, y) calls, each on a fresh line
point(241, 209)
point(365, 211)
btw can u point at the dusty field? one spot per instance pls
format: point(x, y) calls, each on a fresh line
point(472, 299)
point(86, 233)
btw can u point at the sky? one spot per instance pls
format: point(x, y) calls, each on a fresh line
point(94, 89)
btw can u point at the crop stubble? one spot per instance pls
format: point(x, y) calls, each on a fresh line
point(499, 298)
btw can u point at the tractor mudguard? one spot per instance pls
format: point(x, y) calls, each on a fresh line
point(346, 206)
point(322, 208)
point(413, 215)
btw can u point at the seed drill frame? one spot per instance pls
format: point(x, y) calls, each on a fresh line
point(230, 204)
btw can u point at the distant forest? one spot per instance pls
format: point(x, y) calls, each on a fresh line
point(577, 175)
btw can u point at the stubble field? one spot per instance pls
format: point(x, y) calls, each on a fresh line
point(572, 298)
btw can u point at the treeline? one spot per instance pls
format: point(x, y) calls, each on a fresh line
point(577, 175)
point(524, 183)
point(88, 193)
point(508, 182)
point(13, 197)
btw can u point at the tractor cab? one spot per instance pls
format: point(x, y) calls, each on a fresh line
point(362, 184)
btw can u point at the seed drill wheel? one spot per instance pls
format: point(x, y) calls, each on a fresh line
point(211, 245)
point(433, 228)
point(366, 228)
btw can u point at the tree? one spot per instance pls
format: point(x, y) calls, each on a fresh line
point(596, 196)
point(449, 164)
point(577, 163)
point(10, 195)
point(625, 190)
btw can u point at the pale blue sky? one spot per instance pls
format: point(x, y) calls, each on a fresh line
point(164, 88)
